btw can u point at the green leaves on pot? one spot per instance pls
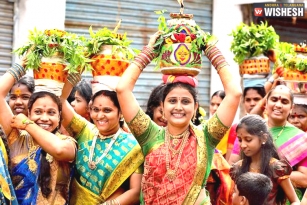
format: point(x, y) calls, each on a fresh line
point(253, 40)
point(51, 43)
point(290, 59)
point(105, 36)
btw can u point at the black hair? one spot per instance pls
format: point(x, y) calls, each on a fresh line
point(254, 186)
point(255, 125)
point(170, 86)
point(28, 81)
point(282, 87)
point(155, 99)
point(44, 176)
point(113, 97)
point(71, 96)
point(260, 91)
point(219, 93)
point(84, 89)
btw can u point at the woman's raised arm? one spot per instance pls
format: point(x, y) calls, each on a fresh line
point(7, 81)
point(228, 108)
point(128, 103)
point(67, 111)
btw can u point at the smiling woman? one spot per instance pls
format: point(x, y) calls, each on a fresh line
point(177, 157)
point(19, 95)
point(32, 155)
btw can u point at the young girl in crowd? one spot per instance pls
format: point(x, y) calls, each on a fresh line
point(252, 94)
point(260, 155)
point(177, 157)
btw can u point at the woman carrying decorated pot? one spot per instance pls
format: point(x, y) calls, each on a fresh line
point(177, 157)
point(36, 175)
point(108, 158)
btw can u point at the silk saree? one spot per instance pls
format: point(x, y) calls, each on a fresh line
point(194, 166)
point(95, 186)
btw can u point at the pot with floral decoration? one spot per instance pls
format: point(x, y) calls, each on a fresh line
point(293, 58)
point(52, 54)
point(110, 54)
point(180, 46)
point(250, 46)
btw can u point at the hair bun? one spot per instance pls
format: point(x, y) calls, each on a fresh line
point(180, 78)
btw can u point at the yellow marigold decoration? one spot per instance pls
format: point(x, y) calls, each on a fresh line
point(168, 41)
point(188, 39)
point(56, 32)
point(202, 112)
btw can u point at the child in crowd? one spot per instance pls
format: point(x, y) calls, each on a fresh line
point(251, 189)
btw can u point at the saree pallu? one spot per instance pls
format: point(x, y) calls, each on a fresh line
point(220, 182)
point(25, 176)
point(227, 141)
point(94, 186)
point(7, 193)
point(291, 145)
point(194, 166)
point(26, 162)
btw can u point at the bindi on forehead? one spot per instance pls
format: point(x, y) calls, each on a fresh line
point(17, 91)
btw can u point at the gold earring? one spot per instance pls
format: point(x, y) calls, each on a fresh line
point(163, 116)
point(194, 117)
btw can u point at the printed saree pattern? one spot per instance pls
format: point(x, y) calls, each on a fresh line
point(95, 186)
point(7, 193)
point(26, 162)
point(291, 143)
point(194, 166)
point(25, 178)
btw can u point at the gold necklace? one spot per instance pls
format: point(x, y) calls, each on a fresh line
point(283, 127)
point(255, 169)
point(176, 140)
point(93, 164)
point(103, 137)
point(171, 173)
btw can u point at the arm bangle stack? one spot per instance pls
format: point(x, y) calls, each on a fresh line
point(17, 71)
point(144, 58)
point(215, 57)
point(74, 78)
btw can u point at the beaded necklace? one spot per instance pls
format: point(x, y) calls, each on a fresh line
point(93, 164)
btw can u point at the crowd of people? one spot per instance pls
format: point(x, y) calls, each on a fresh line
point(102, 148)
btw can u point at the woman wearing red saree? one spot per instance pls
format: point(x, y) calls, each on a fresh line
point(177, 157)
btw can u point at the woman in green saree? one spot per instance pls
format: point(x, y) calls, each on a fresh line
point(177, 157)
point(108, 158)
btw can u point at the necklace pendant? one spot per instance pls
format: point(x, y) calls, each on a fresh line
point(92, 165)
point(171, 175)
